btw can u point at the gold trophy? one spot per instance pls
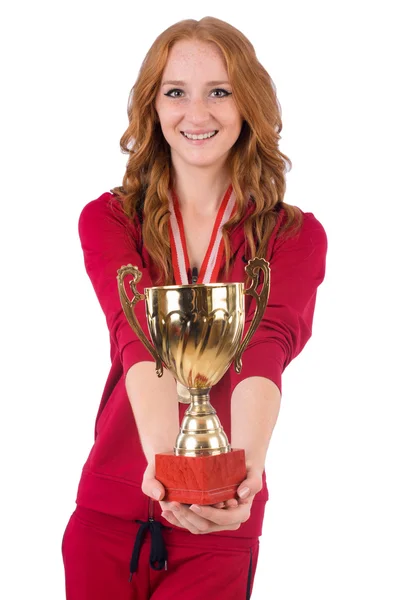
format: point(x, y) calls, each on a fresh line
point(197, 332)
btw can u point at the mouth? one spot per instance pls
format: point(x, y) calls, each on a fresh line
point(201, 136)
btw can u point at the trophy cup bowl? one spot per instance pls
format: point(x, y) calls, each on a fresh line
point(196, 332)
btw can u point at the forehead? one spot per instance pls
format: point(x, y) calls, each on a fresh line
point(188, 58)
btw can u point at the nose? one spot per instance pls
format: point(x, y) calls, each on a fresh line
point(197, 111)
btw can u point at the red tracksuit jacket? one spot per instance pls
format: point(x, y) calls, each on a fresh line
point(112, 475)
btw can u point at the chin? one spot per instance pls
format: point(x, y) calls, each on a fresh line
point(204, 161)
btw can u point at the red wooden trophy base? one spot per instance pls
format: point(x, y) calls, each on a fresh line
point(201, 479)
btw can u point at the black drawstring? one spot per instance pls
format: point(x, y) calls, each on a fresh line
point(158, 550)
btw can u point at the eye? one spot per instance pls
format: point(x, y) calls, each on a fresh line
point(221, 93)
point(175, 93)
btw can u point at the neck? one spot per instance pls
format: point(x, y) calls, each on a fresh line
point(200, 189)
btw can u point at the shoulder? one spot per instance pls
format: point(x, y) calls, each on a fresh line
point(311, 234)
point(103, 213)
point(299, 255)
point(106, 205)
point(312, 231)
point(311, 223)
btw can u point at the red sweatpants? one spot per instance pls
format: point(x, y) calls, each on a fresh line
point(97, 549)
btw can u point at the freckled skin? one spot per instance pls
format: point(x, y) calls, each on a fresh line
point(197, 105)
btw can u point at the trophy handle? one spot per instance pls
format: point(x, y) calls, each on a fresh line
point(252, 270)
point(129, 309)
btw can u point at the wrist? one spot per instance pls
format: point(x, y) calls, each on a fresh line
point(150, 450)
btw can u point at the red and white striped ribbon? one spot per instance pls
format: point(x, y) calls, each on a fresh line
point(213, 258)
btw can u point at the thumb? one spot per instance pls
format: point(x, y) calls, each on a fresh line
point(150, 485)
point(251, 485)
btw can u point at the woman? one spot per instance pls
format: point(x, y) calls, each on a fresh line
point(203, 133)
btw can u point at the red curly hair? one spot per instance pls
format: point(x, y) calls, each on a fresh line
point(256, 165)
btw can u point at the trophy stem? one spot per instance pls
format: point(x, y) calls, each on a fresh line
point(201, 432)
point(200, 403)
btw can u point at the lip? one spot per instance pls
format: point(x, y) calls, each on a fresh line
point(202, 141)
point(199, 131)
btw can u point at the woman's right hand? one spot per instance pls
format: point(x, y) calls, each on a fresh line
point(150, 485)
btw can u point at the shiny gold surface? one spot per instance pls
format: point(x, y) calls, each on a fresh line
point(196, 332)
point(196, 329)
point(129, 305)
point(253, 269)
point(201, 431)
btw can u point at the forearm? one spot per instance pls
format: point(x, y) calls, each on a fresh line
point(155, 406)
point(254, 411)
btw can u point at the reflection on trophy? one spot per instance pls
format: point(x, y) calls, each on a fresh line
point(197, 332)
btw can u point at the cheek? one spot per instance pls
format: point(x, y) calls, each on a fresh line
point(169, 115)
point(234, 128)
point(231, 118)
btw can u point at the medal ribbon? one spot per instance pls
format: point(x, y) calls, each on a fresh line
point(213, 258)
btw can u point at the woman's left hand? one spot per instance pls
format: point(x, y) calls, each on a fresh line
point(226, 516)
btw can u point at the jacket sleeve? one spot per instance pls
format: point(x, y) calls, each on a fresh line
point(108, 240)
point(297, 268)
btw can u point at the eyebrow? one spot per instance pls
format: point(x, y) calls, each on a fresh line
point(182, 83)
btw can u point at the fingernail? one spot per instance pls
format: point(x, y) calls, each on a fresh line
point(175, 507)
point(156, 493)
point(244, 492)
point(195, 508)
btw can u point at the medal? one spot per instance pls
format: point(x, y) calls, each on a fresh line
point(213, 258)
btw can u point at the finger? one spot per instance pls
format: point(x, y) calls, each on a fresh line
point(227, 503)
point(232, 503)
point(250, 486)
point(192, 521)
point(189, 524)
point(219, 505)
point(212, 528)
point(169, 516)
point(151, 486)
point(171, 506)
point(224, 517)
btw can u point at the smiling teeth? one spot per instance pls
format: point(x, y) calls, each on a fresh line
point(201, 136)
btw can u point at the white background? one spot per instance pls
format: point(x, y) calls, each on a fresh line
point(330, 525)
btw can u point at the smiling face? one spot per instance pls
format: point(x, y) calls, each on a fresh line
point(197, 113)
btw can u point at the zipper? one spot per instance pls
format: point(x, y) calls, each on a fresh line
point(194, 275)
point(151, 510)
point(249, 580)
